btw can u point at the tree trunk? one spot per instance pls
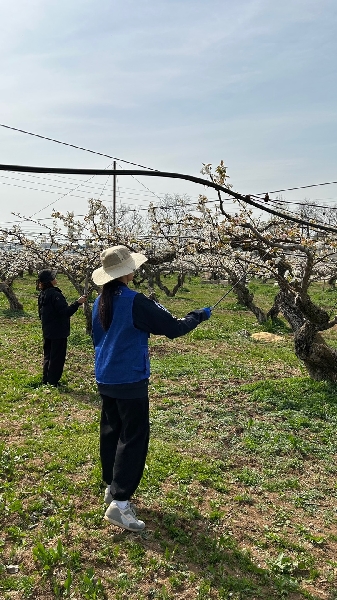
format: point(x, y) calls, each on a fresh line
point(246, 298)
point(164, 288)
point(286, 301)
point(14, 303)
point(306, 320)
point(88, 317)
point(274, 311)
point(150, 287)
point(319, 359)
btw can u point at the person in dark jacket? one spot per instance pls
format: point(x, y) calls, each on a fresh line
point(123, 320)
point(55, 314)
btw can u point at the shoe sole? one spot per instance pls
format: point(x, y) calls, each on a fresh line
point(119, 524)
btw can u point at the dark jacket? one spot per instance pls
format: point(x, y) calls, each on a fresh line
point(152, 317)
point(55, 313)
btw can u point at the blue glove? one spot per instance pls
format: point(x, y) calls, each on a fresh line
point(207, 311)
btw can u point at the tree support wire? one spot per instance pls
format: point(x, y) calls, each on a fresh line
point(148, 173)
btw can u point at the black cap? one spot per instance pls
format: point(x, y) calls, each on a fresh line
point(45, 276)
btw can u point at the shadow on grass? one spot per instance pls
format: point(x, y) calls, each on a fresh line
point(277, 326)
point(33, 382)
point(89, 396)
point(189, 544)
point(7, 313)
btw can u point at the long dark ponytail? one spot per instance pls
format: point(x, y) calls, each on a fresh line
point(105, 307)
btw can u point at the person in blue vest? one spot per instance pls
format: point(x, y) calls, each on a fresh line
point(122, 322)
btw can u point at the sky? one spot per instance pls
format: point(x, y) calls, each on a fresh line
point(169, 84)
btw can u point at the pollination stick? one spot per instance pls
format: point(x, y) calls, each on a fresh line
point(229, 291)
point(235, 284)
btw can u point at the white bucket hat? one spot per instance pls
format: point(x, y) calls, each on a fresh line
point(116, 262)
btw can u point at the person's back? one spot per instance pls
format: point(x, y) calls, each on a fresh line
point(123, 319)
point(121, 352)
point(54, 313)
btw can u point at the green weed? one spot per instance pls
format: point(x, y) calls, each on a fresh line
point(91, 586)
point(48, 558)
point(238, 494)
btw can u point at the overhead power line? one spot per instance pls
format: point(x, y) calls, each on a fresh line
point(86, 196)
point(78, 148)
point(43, 137)
point(304, 204)
point(300, 187)
point(165, 174)
point(146, 188)
point(131, 192)
point(67, 180)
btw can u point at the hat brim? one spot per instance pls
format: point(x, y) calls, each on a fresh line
point(101, 276)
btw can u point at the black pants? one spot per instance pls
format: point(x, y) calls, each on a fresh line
point(124, 440)
point(54, 356)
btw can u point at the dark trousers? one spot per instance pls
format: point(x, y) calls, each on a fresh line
point(54, 356)
point(124, 440)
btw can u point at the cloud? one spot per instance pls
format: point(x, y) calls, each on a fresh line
point(172, 84)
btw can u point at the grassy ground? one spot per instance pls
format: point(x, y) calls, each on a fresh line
point(239, 495)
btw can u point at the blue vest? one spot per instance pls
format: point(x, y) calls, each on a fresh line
point(121, 353)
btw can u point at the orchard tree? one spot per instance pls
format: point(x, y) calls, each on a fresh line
point(167, 242)
point(241, 246)
point(12, 264)
point(199, 245)
point(278, 250)
point(14, 261)
point(72, 245)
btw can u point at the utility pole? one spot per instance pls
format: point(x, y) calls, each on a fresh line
point(114, 197)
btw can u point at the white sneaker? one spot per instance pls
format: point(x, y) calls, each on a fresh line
point(108, 499)
point(108, 496)
point(123, 518)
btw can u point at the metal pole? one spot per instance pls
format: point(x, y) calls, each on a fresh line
point(234, 286)
point(229, 291)
point(114, 197)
